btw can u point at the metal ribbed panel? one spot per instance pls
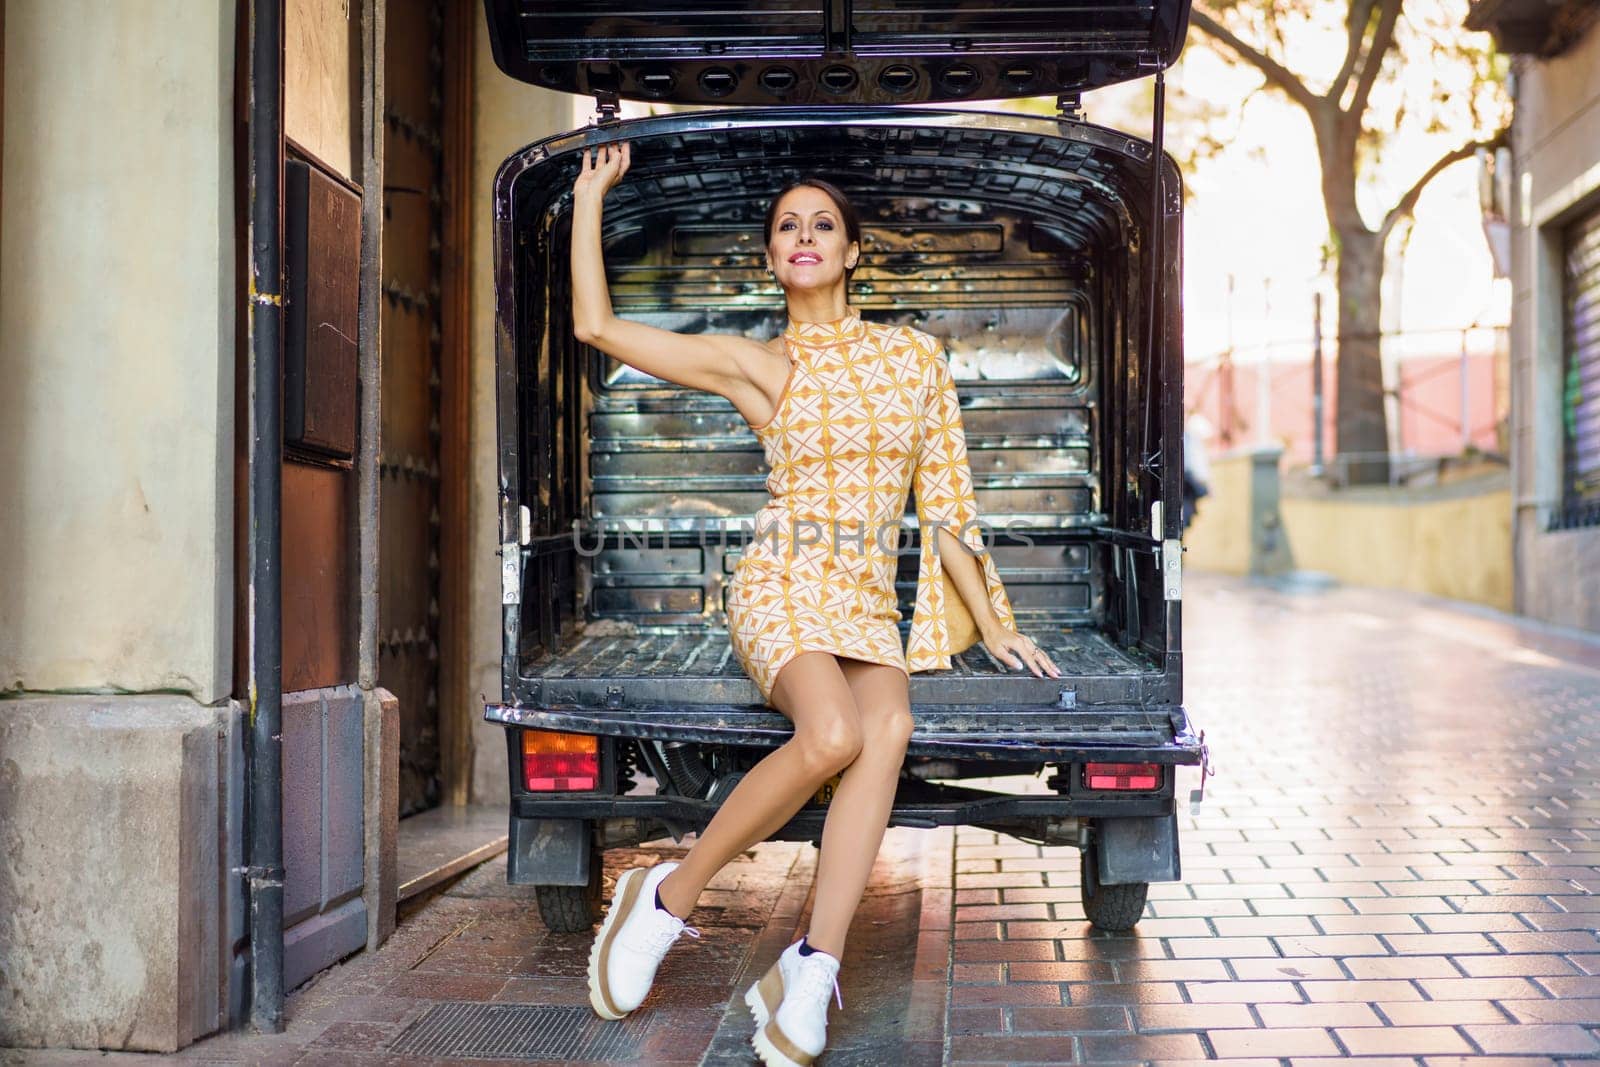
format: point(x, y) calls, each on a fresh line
point(906, 27)
point(520, 1031)
point(1581, 394)
point(620, 31)
point(844, 52)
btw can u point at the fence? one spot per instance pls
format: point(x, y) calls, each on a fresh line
point(1445, 395)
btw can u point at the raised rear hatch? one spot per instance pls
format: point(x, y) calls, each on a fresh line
point(837, 52)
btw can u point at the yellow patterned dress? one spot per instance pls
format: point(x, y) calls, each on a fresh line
point(868, 412)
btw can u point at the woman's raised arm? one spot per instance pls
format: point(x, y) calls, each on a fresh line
point(715, 363)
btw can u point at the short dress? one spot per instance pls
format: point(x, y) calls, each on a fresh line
point(868, 412)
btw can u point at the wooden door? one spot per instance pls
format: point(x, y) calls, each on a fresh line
point(410, 595)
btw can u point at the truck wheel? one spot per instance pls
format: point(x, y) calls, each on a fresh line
point(1109, 907)
point(573, 909)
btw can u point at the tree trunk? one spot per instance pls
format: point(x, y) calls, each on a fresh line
point(1362, 431)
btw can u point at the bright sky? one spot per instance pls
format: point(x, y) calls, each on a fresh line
point(1256, 213)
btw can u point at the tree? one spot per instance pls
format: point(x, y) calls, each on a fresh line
point(1465, 97)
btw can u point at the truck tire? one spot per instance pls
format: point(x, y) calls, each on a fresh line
point(572, 909)
point(1116, 908)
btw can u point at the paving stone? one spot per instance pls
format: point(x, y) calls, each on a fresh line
point(1295, 968)
point(973, 996)
point(1515, 966)
point(1318, 906)
point(1076, 971)
point(1070, 1020)
point(1243, 992)
point(966, 1021)
point(1439, 1012)
point(1478, 988)
point(1452, 923)
point(1155, 970)
point(1443, 944)
point(1362, 991)
point(1012, 1049)
point(1400, 967)
point(1264, 926)
point(1153, 1018)
point(978, 973)
point(1001, 911)
point(1582, 986)
point(1281, 1041)
point(1217, 948)
point(1402, 1040)
point(1331, 945)
point(1570, 941)
point(1585, 1011)
point(1537, 1038)
point(1101, 1049)
point(1369, 924)
point(1317, 1015)
point(1125, 993)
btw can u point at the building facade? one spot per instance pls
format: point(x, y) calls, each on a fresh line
point(125, 464)
point(1554, 209)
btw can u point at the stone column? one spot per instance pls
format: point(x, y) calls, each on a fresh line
point(117, 349)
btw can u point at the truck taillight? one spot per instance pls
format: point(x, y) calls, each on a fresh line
point(1131, 777)
point(556, 762)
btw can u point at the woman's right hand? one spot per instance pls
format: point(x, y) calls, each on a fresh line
point(596, 177)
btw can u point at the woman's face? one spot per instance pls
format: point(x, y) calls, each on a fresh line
point(809, 247)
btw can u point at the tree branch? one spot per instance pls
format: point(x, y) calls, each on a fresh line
point(1276, 73)
point(1408, 202)
point(1382, 38)
point(1360, 15)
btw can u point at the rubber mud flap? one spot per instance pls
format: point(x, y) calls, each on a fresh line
point(1142, 849)
point(548, 852)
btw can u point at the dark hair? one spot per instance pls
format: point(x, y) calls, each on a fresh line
point(847, 212)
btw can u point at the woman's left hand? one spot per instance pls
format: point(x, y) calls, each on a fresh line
point(1017, 650)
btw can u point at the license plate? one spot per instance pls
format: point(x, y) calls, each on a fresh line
point(825, 793)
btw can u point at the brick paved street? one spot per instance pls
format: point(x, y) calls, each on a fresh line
point(1398, 858)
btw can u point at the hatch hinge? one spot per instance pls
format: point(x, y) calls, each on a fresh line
point(1148, 60)
point(1070, 105)
point(606, 105)
point(1172, 569)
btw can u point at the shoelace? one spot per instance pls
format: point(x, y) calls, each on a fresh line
point(661, 935)
point(811, 979)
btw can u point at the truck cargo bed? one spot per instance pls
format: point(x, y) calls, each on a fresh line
point(611, 665)
point(683, 684)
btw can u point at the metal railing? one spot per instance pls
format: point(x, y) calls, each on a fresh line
point(1445, 394)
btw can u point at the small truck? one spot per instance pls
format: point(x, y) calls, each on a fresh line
point(1043, 250)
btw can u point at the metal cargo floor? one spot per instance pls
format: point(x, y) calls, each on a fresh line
point(609, 664)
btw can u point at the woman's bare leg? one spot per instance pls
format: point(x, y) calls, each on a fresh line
point(859, 811)
point(812, 691)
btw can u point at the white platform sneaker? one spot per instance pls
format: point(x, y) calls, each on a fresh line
point(630, 944)
point(790, 1005)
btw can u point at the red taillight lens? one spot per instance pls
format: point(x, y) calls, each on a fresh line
point(553, 762)
point(1132, 777)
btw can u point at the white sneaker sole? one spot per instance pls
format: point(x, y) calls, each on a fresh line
point(763, 999)
point(762, 1002)
point(769, 1054)
point(596, 1001)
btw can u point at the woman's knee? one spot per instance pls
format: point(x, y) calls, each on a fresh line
point(894, 729)
point(832, 740)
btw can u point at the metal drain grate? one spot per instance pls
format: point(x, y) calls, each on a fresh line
point(519, 1031)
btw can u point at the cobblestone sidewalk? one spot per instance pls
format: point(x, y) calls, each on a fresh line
point(1399, 858)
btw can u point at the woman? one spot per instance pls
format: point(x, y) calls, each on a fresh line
point(811, 615)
